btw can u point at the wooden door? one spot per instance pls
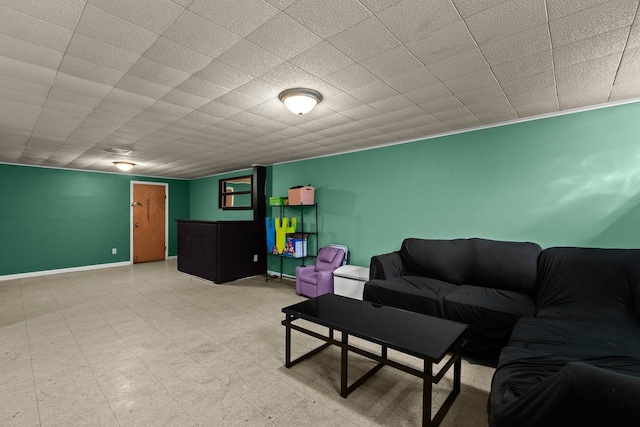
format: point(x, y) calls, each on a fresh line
point(149, 222)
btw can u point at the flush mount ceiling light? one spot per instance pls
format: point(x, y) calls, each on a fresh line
point(124, 166)
point(300, 101)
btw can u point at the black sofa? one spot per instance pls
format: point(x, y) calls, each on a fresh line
point(577, 362)
point(572, 358)
point(485, 283)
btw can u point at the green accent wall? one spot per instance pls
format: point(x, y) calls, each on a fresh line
point(570, 180)
point(54, 218)
point(204, 193)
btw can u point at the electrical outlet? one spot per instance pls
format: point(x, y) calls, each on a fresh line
point(114, 251)
point(255, 258)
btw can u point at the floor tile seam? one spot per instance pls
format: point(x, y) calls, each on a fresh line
point(33, 374)
point(313, 401)
point(91, 369)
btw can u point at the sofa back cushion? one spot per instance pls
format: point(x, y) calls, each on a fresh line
point(508, 266)
point(588, 283)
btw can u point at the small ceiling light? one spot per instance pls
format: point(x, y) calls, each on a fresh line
point(124, 166)
point(300, 101)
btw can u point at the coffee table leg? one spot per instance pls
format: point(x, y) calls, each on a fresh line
point(287, 341)
point(427, 389)
point(344, 366)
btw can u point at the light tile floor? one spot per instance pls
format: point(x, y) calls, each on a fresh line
point(146, 345)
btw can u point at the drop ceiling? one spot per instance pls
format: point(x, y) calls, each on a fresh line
point(191, 86)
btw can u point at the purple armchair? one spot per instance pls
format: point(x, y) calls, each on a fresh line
point(315, 280)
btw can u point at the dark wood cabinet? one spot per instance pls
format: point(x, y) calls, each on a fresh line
point(221, 251)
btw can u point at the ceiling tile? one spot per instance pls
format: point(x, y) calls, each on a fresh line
point(283, 36)
point(393, 103)
point(29, 52)
point(628, 72)
point(91, 50)
point(237, 100)
point(376, 6)
point(536, 96)
point(364, 40)
point(109, 29)
point(73, 97)
point(505, 19)
point(322, 59)
point(33, 30)
point(427, 94)
point(530, 65)
point(185, 99)
point(373, 92)
point(591, 48)
point(176, 56)
point(218, 109)
point(328, 17)
point(391, 63)
point(199, 34)
point(529, 83)
point(485, 106)
point(90, 71)
point(471, 7)
point(281, 4)
point(560, 8)
point(473, 81)
point(130, 98)
point(223, 75)
point(143, 87)
point(497, 116)
point(202, 88)
point(411, 80)
point(439, 105)
point(351, 77)
point(517, 46)
point(250, 58)
point(154, 15)
point(239, 16)
point(464, 122)
point(587, 81)
point(591, 22)
point(81, 86)
point(411, 19)
point(22, 70)
point(455, 66)
point(155, 72)
point(443, 43)
point(482, 94)
point(25, 86)
point(634, 35)
point(63, 13)
point(453, 114)
point(19, 96)
point(259, 89)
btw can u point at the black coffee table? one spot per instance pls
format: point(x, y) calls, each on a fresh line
point(425, 337)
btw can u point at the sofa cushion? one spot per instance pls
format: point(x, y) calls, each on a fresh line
point(588, 283)
point(418, 294)
point(503, 265)
point(490, 314)
point(537, 373)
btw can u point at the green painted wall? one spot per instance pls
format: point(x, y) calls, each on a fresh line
point(204, 194)
point(52, 218)
point(567, 180)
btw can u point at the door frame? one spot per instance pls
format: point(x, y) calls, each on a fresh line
point(166, 217)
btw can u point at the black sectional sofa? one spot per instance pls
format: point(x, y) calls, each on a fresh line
point(571, 358)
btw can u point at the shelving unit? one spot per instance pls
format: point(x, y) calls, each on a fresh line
point(311, 231)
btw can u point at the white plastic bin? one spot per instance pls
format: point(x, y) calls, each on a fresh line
point(349, 281)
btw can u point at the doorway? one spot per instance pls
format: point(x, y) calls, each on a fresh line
point(148, 221)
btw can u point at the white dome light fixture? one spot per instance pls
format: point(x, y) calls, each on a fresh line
point(124, 166)
point(300, 100)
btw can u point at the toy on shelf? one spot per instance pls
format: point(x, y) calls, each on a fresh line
point(282, 228)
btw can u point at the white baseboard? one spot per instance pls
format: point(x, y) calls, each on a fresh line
point(277, 273)
point(170, 258)
point(63, 270)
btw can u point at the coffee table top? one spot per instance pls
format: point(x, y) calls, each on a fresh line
point(419, 335)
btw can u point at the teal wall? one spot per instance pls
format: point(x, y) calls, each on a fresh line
point(567, 180)
point(52, 218)
point(204, 194)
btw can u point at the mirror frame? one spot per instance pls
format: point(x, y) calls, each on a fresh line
point(223, 193)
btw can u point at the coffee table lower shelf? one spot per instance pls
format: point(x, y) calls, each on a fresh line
point(426, 374)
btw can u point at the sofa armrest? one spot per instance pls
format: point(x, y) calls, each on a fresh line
point(386, 266)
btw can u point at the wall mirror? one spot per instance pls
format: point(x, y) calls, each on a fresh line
point(235, 193)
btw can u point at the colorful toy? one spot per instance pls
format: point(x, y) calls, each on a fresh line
point(282, 228)
point(271, 234)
